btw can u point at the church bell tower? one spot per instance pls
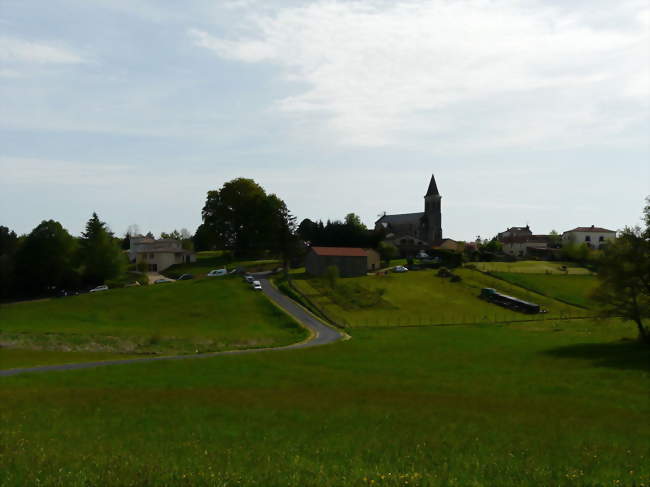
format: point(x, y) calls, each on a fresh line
point(432, 213)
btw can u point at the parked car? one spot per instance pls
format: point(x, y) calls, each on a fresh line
point(400, 268)
point(217, 272)
point(97, 289)
point(185, 277)
point(162, 281)
point(256, 285)
point(249, 279)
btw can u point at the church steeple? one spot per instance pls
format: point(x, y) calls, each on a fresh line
point(433, 213)
point(433, 188)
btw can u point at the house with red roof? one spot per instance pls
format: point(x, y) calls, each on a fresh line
point(350, 261)
point(594, 237)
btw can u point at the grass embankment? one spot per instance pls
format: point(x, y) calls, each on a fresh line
point(573, 288)
point(546, 404)
point(182, 317)
point(532, 267)
point(420, 298)
point(209, 260)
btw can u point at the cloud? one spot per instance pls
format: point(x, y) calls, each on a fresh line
point(502, 73)
point(20, 51)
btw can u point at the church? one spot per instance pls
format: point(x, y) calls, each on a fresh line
point(411, 232)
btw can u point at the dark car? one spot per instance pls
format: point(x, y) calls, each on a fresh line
point(185, 277)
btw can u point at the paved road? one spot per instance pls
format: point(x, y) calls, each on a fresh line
point(322, 335)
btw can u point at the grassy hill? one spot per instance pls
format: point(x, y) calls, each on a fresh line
point(532, 267)
point(572, 288)
point(182, 317)
point(561, 404)
point(417, 298)
point(208, 260)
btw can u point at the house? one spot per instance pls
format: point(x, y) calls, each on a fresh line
point(158, 255)
point(522, 245)
point(404, 229)
point(515, 232)
point(350, 261)
point(594, 237)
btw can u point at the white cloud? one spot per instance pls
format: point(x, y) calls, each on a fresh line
point(503, 73)
point(20, 51)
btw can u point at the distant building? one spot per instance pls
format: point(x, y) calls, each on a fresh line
point(350, 261)
point(160, 254)
point(515, 232)
point(594, 237)
point(407, 229)
point(450, 244)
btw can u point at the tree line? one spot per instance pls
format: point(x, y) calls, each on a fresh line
point(48, 259)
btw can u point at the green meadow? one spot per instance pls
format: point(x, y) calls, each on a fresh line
point(572, 288)
point(421, 298)
point(532, 267)
point(182, 317)
point(545, 403)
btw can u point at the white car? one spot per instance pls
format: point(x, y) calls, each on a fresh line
point(400, 268)
point(103, 287)
point(217, 272)
point(256, 285)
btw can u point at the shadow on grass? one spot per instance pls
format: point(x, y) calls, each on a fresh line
point(627, 355)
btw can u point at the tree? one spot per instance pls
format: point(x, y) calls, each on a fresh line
point(100, 258)
point(45, 260)
point(555, 239)
point(387, 252)
point(242, 217)
point(624, 277)
point(8, 247)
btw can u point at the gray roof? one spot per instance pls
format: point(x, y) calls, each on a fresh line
point(401, 218)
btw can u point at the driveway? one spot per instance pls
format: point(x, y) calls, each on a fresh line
point(321, 335)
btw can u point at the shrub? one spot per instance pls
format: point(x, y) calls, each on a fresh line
point(456, 278)
point(443, 272)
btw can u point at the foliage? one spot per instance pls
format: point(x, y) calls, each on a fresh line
point(242, 217)
point(100, 258)
point(447, 258)
point(624, 279)
point(45, 261)
point(387, 252)
point(349, 233)
point(8, 248)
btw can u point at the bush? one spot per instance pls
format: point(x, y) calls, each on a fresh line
point(456, 278)
point(443, 272)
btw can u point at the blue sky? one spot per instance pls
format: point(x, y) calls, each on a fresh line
point(526, 111)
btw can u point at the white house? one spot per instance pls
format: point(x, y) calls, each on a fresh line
point(594, 237)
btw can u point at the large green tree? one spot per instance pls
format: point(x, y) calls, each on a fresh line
point(100, 256)
point(242, 217)
point(624, 277)
point(45, 260)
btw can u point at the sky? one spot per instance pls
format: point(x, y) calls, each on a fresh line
point(527, 112)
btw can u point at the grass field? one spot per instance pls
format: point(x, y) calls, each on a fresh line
point(573, 288)
point(532, 267)
point(206, 261)
point(182, 317)
point(562, 404)
point(417, 298)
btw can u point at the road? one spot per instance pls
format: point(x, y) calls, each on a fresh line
point(321, 335)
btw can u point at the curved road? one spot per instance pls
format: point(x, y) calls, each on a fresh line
point(321, 335)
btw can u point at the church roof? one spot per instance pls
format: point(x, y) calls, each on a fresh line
point(433, 187)
point(401, 218)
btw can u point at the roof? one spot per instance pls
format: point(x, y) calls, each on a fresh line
point(340, 251)
point(526, 239)
point(401, 218)
point(590, 229)
point(433, 187)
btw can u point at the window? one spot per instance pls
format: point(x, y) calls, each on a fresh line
point(601, 239)
point(588, 238)
point(151, 256)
